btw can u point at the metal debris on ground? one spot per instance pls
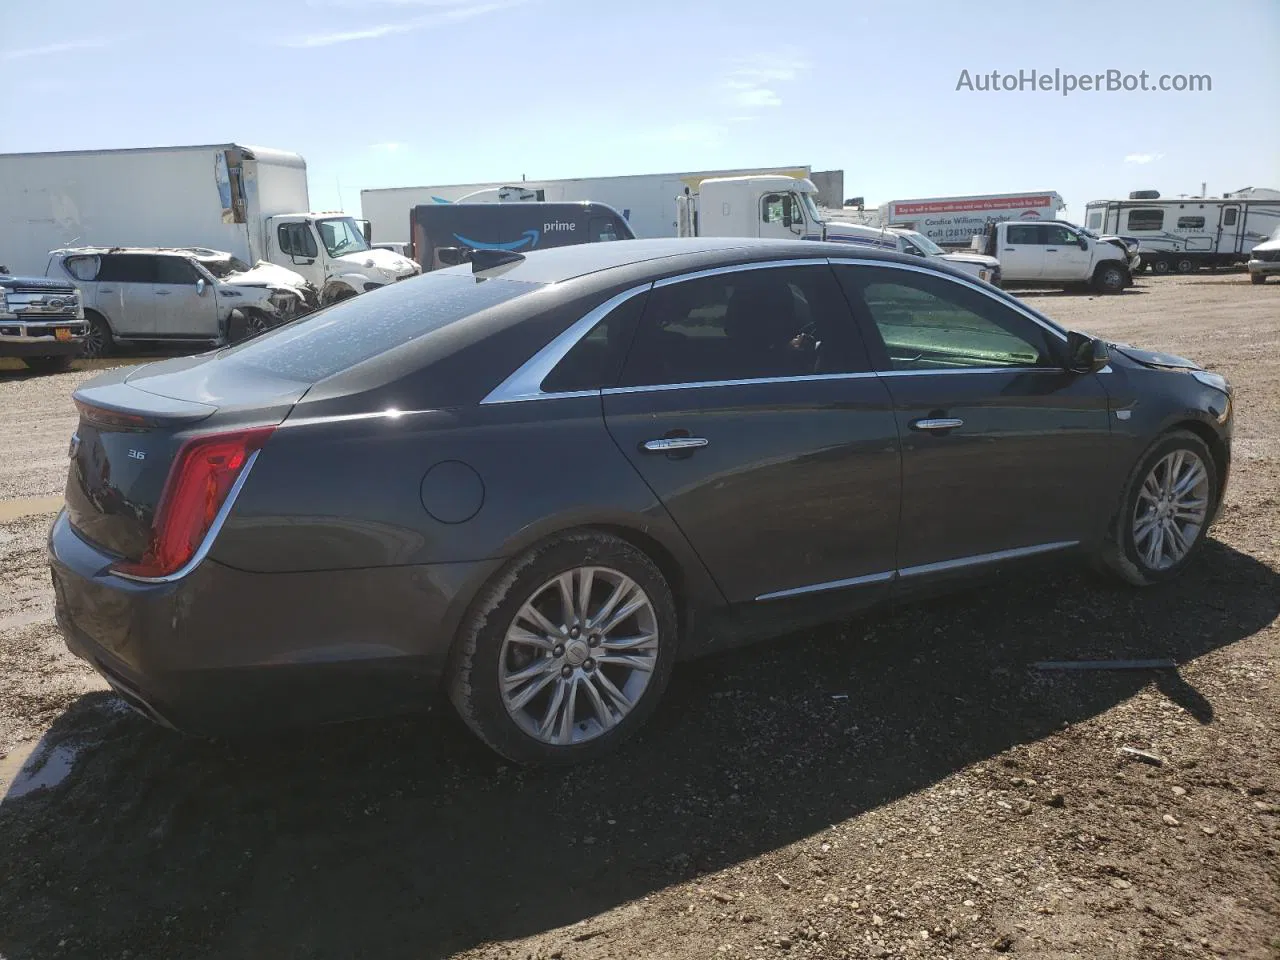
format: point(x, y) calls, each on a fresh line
point(1143, 755)
point(1106, 665)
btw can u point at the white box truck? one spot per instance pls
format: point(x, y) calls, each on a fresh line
point(955, 221)
point(785, 208)
point(646, 201)
point(251, 202)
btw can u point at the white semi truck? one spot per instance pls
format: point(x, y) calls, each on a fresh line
point(249, 201)
point(784, 208)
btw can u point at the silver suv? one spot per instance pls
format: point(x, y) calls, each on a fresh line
point(179, 294)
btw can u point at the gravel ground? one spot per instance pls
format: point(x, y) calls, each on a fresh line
point(902, 785)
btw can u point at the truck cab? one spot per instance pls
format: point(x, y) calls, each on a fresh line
point(1055, 253)
point(333, 253)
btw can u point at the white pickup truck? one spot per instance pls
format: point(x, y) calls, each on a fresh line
point(1055, 253)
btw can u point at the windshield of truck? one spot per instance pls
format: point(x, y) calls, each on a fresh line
point(341, 235)
point(811, 208)
point(930, 248)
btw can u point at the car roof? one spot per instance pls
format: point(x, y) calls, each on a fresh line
point(667, 255)
point(199, 253)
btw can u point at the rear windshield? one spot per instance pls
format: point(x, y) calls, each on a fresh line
point(354, 330)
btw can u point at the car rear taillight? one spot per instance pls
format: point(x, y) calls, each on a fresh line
point(199, 482)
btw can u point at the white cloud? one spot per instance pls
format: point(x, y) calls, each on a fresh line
point(751, 83)
point(52, 49)
point(447, 11)
point(1142, 157)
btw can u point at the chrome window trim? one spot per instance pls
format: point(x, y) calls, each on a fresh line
point(739, 267)
point(526, 382)
point(699, 384)
point(1042, 322)
point(206, 544)
point(941, 566)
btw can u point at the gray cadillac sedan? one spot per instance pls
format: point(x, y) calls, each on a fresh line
point(533, 483)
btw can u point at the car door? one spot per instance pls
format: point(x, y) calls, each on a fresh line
point(124, 293)
point(1063, 258)
point(183, 309)
point(1004, 452)
point(747, 406)
point(1022, 253)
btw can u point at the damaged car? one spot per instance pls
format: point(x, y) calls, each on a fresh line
point(177, 295)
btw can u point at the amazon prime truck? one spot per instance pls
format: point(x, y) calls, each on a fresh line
point(441, 234)
point(248, 201)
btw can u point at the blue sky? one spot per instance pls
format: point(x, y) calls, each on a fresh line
point(413, 92)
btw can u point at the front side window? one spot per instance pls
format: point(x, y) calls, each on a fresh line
point(780, 208)
point(745, 325)
point(1026, 234)
point(341, 236)
point(1058, 235)
point(175, 270)
point(1146, 220)
point(928, 322)
point(602, 229)
point(296, 240)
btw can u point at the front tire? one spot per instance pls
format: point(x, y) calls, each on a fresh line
point(1186, 265)
point(567, 652)
point(1110, 278)
point(1165, 511)
point(1161, 266)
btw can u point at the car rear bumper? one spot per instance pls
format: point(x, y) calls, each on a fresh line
point(224, 650)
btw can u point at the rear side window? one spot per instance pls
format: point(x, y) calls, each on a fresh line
point(127, 268)
point(596, 360)
point(350, 332)
point(745, 325)
point(1146, 220)
point(1025, 233)
point(82, 268)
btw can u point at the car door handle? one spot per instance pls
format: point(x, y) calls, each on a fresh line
point(163, 293)
point(667, 444)
point(106, 289)
point(937, 423)
point(1050, 249)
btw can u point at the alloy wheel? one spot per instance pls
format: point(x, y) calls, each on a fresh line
point(578, 655)
point(95, 340)
point(1172, 506)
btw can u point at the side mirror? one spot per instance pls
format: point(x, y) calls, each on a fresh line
point(200, 287)
point(1084, 242)
point(452, 256)
point(1086, 354)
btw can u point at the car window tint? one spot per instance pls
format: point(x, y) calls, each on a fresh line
point(127, 268)
point(596, 359)
point(1057, 235)
point(1025, 233)
point(352, 331)
point(745, 325)
point(174, 270)
point(928, 322)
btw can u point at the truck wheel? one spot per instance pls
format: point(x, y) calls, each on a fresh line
point(47, 364)
point(1161, 266)
point(1110, 278)
point(98, 341)
point(1257, 278)
point(1185, 265)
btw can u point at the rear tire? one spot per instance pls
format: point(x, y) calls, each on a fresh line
point(1127, 553)
point(581, 669)
point(48, 364)
point(1185, 265)
point(98, 341)
point(1161, 265)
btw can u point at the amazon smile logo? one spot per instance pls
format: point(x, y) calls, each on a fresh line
point(529, 239)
